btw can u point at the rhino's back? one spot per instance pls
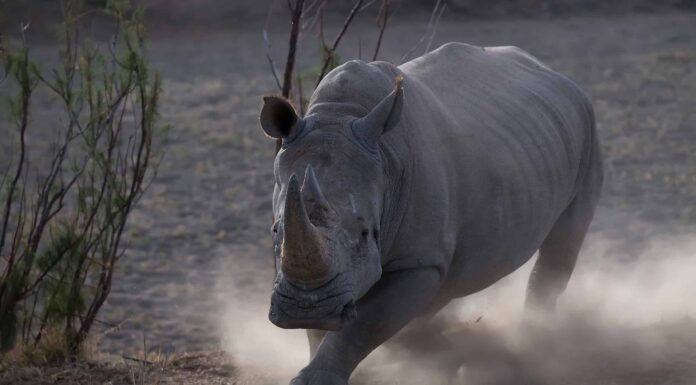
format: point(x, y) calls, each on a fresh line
point(510, 138)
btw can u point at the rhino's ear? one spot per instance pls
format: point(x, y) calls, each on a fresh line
point(278, 117)
point(384, 116)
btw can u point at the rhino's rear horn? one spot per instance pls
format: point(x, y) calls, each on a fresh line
point(384, 116)
point(304, 259)
point(317, 205)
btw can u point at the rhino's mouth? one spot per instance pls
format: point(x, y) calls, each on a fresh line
point(329, 307)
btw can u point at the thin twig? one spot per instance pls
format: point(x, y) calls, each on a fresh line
point(270, 59)
point(2, 55)
point(313, 21)
point(307, 13)
point(337, 41)
point(24, 121)
point(292, 48)
point(384, 15)
point(366, 6)
point(434, 31)
point(267, 42)
point(125, 357)
point(311, 6)
point(431, 21)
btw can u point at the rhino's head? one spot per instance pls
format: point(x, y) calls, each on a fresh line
point(327, 207)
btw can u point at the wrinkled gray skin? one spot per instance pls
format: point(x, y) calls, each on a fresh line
point(391, 201)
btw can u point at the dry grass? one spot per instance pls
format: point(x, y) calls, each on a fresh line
point(202, 368)
point(47, 363)
point(50, 349)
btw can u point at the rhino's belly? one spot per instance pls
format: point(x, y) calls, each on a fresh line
point(476, 273)
point(485, 254)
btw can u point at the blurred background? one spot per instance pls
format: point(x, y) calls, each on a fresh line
point(223, 12)
point(198, 240)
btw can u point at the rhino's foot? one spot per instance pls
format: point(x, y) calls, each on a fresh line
point(318, 377)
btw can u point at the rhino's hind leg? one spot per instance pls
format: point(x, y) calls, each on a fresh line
point(556, 261)
point(559, 251)
point(554, 265)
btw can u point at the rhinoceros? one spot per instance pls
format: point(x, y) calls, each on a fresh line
point(406, 186)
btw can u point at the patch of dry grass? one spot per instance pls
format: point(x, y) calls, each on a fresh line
point(49, 350)
point(214, 368)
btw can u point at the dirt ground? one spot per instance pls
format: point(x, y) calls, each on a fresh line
point(199, 239)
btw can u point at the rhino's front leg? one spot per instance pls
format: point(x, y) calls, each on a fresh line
point(395, 300)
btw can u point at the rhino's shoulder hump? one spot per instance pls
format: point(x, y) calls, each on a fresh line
point(456, 49)
point(516, 54)
point(453, 52)
point(456, 53)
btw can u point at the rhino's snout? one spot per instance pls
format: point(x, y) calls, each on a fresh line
point(329, 307)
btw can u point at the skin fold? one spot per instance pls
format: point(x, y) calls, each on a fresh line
point(405, 187)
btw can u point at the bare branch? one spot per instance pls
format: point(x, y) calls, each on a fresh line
point(366, 6)
point(146, 362)
point(25, 84)
point(270, 60)
point(428, 28)
point(292, 48)
point(2, 55)
point(267, 42)
point(313, 21)
point(384, 16)
point(307, 13)
point(337, 41)
point(434, 31)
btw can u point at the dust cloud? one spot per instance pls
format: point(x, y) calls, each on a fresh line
point(620, 322)
point(264, 353)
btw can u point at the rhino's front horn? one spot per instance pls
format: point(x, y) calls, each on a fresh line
point(304, 259)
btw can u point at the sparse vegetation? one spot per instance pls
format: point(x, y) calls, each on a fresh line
point(204, 368)
point(62, 223)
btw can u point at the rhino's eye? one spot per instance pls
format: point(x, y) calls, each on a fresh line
point(364, 234)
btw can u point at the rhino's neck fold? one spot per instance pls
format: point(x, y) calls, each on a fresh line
point(396, 169)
